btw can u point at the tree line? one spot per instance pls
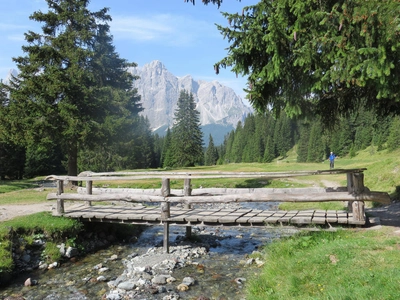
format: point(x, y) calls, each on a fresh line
point(263, 138)
point(334, 63)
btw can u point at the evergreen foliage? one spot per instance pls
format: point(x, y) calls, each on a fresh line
point(73, 88)
point(393, 141)
point(211, 155)
point(312, 57)
point(186, 145)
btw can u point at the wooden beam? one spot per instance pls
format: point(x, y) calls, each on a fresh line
point(88, 176)
point(381, 197)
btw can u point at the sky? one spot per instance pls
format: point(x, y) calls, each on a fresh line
point(182, 36)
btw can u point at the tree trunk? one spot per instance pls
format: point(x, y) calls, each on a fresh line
point(73, 160)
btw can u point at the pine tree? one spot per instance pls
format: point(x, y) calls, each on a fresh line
point(187, 138)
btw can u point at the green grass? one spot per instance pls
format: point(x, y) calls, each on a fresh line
point(348, 264)
point(25, 196)
point(43, 222)
point(15, 185)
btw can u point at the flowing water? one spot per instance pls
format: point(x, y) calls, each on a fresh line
point(216, 279)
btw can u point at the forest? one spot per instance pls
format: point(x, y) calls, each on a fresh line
point(322, 76)
point(260, 138)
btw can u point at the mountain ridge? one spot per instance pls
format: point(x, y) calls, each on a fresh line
point(159, 89)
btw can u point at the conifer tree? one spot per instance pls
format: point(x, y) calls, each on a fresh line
point(166, 156)
point(315, 145)
point(317, 57)
point(302, 146)
point(211, 155)
point(186, 148)
point(269, 153)
point(238, 144)
point(393, 141)
point(71, 81)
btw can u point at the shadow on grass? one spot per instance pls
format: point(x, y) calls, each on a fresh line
point(253, 183)
point(10, 185)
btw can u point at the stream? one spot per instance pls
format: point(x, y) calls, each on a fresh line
point(222, 274)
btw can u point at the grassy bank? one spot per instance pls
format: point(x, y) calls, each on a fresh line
point(25, 229)
point(349, 264)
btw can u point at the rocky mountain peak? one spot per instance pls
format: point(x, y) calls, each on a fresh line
point(160, 90)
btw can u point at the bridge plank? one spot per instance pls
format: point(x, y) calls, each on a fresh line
point(319, 217)
point(303, 217)
point(288, 216)
point(209, 217)
point(342, 217)
point(331, 216)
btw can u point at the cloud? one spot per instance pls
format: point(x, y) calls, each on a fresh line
point(166, 29)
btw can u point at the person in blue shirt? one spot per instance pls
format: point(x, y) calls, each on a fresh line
point(332, 160)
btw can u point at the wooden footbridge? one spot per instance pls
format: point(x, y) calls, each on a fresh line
point(211, 206)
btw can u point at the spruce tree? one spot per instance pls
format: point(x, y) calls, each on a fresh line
point(315, 145)
point(186, 148)
point(393, 141)
point(310, 57)
point(302, 146)
point(211, 155)
point(71, 81)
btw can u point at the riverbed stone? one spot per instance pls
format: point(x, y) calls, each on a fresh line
point(62, 248)
point(71, 252)
point(43, 265)
point(127, 285)
point(26, 258)
point(188, 281)
point(182, 287)
point(114, 257)
point(172, 296)
point(28, 282)
point(159, 279)
point(102, 270)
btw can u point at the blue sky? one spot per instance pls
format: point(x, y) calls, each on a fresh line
point(182, 36)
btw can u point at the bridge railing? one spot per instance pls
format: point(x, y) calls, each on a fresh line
point(355, 192)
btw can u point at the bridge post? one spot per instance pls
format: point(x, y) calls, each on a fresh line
point(89, 191)
point(60, 202)
point(165, 212)
point(187, 191)
point(350, 189)
point(355, 186)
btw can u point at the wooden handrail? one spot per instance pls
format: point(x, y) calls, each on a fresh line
point(244, 197)
point(91, 176)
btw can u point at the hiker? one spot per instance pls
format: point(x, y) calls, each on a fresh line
point(332, 160)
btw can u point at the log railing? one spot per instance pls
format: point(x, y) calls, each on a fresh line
point(355, 192)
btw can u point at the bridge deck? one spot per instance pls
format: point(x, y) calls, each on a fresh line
point(207, 217)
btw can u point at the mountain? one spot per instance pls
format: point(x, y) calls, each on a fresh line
point(220, 108)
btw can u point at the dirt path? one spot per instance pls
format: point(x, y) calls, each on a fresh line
point(11, 211)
